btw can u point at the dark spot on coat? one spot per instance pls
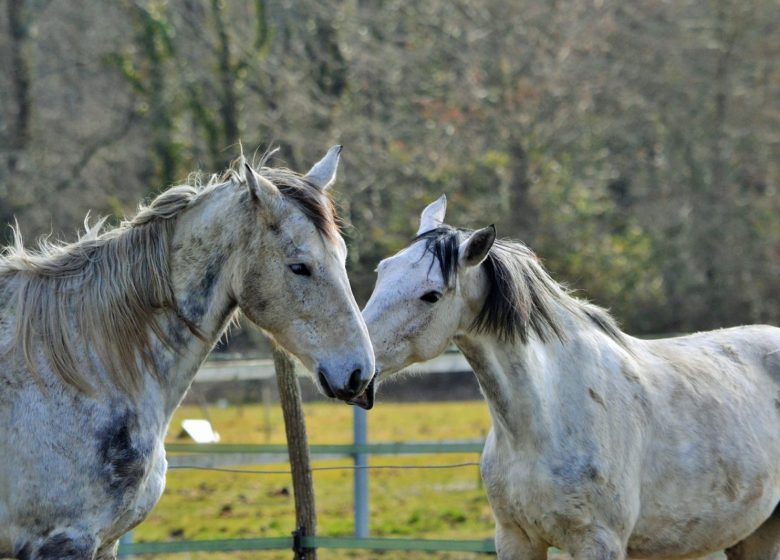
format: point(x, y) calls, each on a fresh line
point(730, 352)
point(731, 484)
point(194, 306)
point(258, 302)
point(629, 374)
point(596, 397)
point(63, 547)
point(574, 471)
point(23, 552)
point(776, 513)
point(124, 464)
point(692, 524)
point(177, 333)
point(253, 301)
point(755, 491)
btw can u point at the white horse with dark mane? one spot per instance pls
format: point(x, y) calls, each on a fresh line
point(602, 445)
point(100, 340)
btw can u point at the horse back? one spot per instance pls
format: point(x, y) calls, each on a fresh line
point(739, 351)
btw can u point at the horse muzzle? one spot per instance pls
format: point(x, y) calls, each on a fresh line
point(365, 400)
point(354, 389)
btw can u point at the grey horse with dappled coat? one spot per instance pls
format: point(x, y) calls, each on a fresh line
point(101, 338)
point(602, 444)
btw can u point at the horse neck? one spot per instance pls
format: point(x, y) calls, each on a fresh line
point(515, 384)
point(201, 270)
point(529, 386)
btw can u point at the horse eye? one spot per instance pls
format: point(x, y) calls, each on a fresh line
point(431, 297)
point(300, 269)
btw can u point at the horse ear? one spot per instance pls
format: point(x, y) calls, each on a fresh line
point(475, 249)
point(433, 215)
point(323, 173)
point(263, 190)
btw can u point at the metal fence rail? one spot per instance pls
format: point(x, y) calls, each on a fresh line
point(286, 543)
point(344, 449)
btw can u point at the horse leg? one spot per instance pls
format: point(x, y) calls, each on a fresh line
point(762, 544)
point(597, 544)
point(512, 543)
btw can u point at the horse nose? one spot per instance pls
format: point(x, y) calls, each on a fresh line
point(356, 384)
point(353, 387)
point(345, 388)
point(323, 379)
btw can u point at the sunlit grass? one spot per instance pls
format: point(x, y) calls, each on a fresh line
point(447, 503)
point(409, 503)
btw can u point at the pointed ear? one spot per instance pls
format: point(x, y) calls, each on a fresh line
point(433, 215)
point(262, 190)
point(475, 249)
point(323, 173)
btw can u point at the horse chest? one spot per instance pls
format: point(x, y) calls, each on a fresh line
point(547, 498)
point(515, 487)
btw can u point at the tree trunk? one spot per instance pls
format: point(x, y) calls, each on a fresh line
point(20, 78)
point(155, 45)
point(298, 448)
point(226, 70)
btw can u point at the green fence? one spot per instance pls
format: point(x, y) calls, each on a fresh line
point(345, 449)
point(287, 543)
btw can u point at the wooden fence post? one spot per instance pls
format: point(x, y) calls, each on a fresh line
point(298, 448)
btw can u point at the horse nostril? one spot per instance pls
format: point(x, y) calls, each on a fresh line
point(355, 381)
point(324, 383)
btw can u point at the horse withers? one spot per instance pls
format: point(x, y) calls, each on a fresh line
point(602, 445)
point(101, 338)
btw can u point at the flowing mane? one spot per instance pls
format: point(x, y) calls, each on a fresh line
point(521, 295)
point(110, 284)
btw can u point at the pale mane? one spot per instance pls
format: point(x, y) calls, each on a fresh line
point(106, 287)
point(103, 292)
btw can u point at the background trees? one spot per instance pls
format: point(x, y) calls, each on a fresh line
point(634, 146)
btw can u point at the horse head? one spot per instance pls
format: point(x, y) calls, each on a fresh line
point(292, 282)
point(428, 292)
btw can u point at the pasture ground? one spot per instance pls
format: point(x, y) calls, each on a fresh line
point(435, 503)
point(447, 503)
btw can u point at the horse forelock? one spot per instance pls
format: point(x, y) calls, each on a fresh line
point(110, 284)
point(521, 296)
point(316, 205)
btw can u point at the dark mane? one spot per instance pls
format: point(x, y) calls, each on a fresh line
point(522, 297)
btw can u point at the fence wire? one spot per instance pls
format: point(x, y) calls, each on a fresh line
point(330, 468)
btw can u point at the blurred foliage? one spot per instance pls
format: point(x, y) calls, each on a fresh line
point(634, 146)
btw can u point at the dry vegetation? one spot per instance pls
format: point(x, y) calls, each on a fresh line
point(634, 145)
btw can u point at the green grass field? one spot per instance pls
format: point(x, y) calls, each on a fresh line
point(403, 503)
point(445, 504)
